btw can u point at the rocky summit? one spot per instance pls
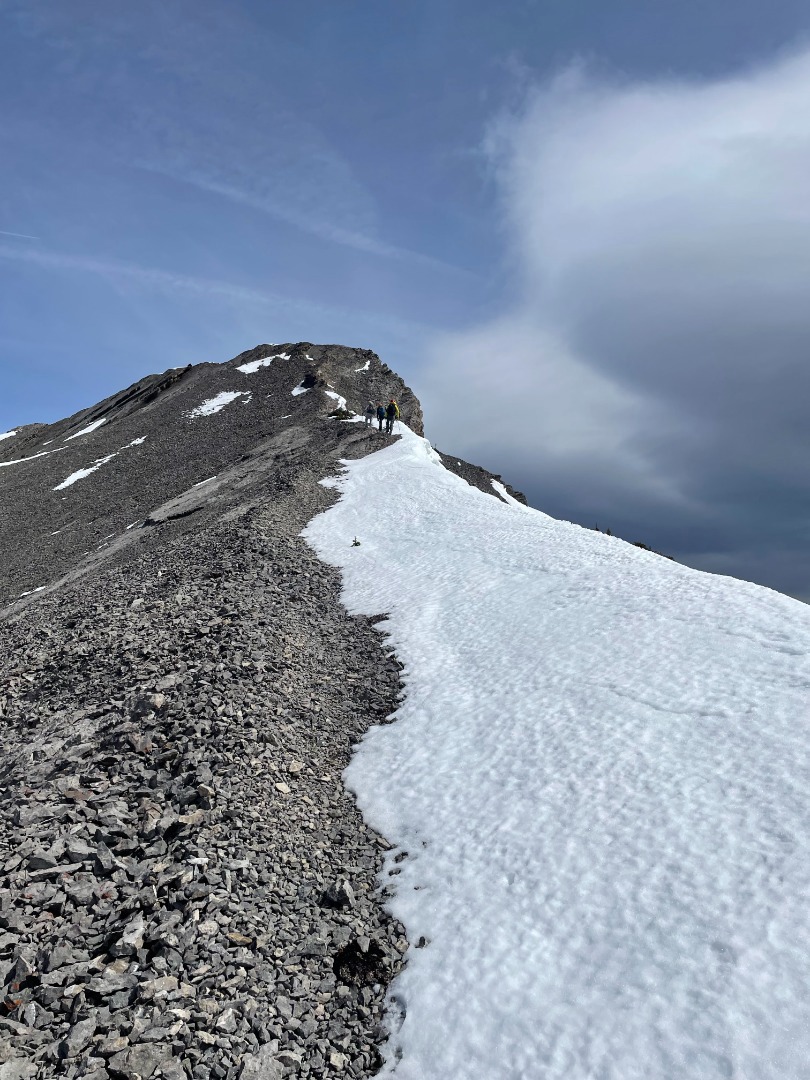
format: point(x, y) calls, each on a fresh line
point(186, 887)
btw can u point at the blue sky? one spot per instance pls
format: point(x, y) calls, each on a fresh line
point(576, 228)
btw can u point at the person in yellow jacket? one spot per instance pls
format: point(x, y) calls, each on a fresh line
point(391, 414)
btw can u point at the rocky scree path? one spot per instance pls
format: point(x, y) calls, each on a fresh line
point(186, 889)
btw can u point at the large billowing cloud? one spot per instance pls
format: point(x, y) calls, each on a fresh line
point(656, 365)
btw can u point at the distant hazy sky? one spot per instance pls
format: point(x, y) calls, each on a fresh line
point(579, 228)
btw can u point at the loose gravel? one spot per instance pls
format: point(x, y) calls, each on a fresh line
point(187, 888)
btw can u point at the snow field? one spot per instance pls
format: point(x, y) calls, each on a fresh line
point(88, 429)
point(7, 435)
point(215, 404)
point(600, 773)
point(82, 474)
point(23, 461)
point(254, 365)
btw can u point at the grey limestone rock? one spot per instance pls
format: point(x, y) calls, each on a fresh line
point(139, 1061)
point(227, 1022)
point(78, 850)
point(131, 938)
point(290, 1059)
point(18, 1069)
point(173, 1070)
point(339, 895)
point(77, 1038)
point(261, 1066)
point(42, 860)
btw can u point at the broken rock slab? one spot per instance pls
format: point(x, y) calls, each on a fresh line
point(140, 1061)
point(18, 1069)
point(261, 1066)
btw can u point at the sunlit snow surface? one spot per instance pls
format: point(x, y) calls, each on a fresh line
point(340, 401)
point(214, 404)
point(254, 365)
point(600, 774)
point(88, 429)
point(300, 389)
point(504, 494)
point(82, 474)
point(7, 435)
point(24, 461)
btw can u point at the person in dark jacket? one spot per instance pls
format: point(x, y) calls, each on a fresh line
point(369, 413)
point(380, 413)
point(391, 414)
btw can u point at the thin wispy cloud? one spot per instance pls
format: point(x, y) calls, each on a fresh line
point(170, 282)
point(229, 132)
point(19, 235)
point(147, 276)
point(316, 224)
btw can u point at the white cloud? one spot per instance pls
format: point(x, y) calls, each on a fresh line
point(660, 239)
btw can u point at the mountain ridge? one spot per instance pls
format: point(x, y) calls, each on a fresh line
point(330, 761)
point(189, 890)
point(92, 477)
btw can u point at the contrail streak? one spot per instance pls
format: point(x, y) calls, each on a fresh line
point(21, 235)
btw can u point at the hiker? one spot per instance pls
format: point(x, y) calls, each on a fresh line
point(369, 413)
point(380, 413)
point(391, 414)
